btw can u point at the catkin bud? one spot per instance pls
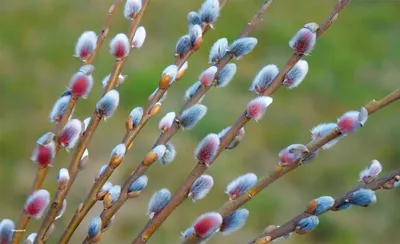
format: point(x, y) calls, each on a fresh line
point(71, 133)
point(291, 154)
point(158, 201)
point(201, 187)
point(320, 205)
point(59, 108)
point(240, 185)
point(168, 76)
point(63, 177)
point(119, 46)
point(264, 78)
point(6, 230)
point(183, 46)
point(225, 75)
point(322, 130)
point(296, 75)
point(120, 80)
point(206, 150)
point(242, 46)
point(45, 150)
point(234, 221)
point(80, 85)
point(139, 37)
point(371, 172)
point(169, 154)
point(304, 40)
point(86, 44)
point(134, 118)
point(36, 203)
point(191, 116)
point(193, 19)
point(132, 8)
point(94, 230)
point(137, 186)
point(256, 107)
point(207, 224)
point(196, 37)
point(218, 50)
point(363, 197)
point(209, 11)
point(207, 76)
point(117, 155)
point(108, 104)
point(307, 225)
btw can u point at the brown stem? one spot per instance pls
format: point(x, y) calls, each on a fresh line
point(279, 171)
point(290, 226)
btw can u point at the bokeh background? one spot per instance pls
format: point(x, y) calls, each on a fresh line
point(356, 61)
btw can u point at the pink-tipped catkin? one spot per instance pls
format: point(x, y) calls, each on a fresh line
point(45, 151)
point(352, 120)
point(132, 7)
point(86, 44)
point(207, 149)
point(207, 77)
point(256, 107)
point(371, 172)
point(207, 224)
point(119, 46)
point(71, 133)
point(304, 40)
point(166, 122)
point(80, 85)
point(36, 203)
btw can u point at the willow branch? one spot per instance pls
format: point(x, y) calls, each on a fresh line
point(127, 140)
point(279, 171)
point(73, 168)
point(183, 191)
point(290, 226)
point(153, 224)
point(41, 171)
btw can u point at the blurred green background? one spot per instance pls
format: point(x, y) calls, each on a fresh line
point(356, 61)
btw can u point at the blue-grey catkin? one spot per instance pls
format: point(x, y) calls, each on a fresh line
point(242, 46)
point(264, 78)
point(102, 169)
point(192, 115)
point(59, 108)
point(136, 115)
point(296, 75)
point(158, 201)
point(363, 197)
point(183, 45)
point(94, 227)
point(396, 184)
point(139, 184)
point(343, 206)
point(240, 185)
point(234, 221)
point(106, 187)
point(226, 75)
point(115, 191)
point(6, 228)
point(322, 130)
point(218, 50)
point(193, 18)
point(108, 104)
point(307, 224)
point(201, 187)
point(189, 93)
point(169, 154)
point(209, 11)
point(324, 204)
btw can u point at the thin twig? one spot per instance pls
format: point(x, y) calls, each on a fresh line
point(279, 171)
point(290, 226)
point(107, 214)
point(127, 140)
point(73, 168)
point(41, 172)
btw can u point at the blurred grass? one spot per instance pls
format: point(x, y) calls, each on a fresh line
point(356, 61)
